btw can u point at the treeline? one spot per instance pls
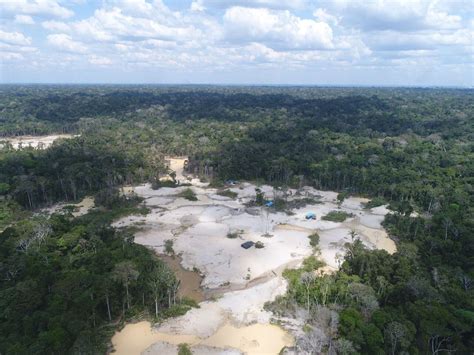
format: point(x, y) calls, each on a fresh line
point(36, 109)
point(71, 170)
point(66, 284)
point(381, 304)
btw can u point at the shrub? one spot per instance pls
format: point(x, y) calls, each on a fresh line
point(337, 216)
point(259, 245)
point(183, 349)
point(188, 194)
point(341, 197)
point(313, 239)
point(311, 264)
point(375, 202)
point(228, 193)
point(259, 197)
point(169, 246)
point(233, 235)
point(157, 184)
point(279, 204)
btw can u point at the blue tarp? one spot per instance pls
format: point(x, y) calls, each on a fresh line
point(247, 245)
point(269, 203)
point(310, 215)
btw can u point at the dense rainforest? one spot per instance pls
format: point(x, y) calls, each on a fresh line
point(409, 147)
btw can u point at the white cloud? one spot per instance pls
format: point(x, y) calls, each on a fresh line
point(115, 23)
point(101, 61)
point(11, 56)
point(396, 41)
point(197, 5)
point(13, 48)
point(24, 20)
point(35, 7)
point(237, 35)
point(324, 16)
point(55, 26)
point(16, 38)
point(397, 15)
point(271, 4)
point(66, 43)
point(277, 29)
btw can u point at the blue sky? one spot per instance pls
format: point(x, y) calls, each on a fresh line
point(310, 42)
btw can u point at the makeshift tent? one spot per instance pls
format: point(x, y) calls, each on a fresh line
point(269, 203)
point(247, 245)
point(310, 215)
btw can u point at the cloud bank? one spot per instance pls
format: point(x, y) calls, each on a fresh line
point(379, 42)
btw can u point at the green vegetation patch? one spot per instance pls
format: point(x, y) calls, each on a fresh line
point(188, 194)
point(228, 193)
point(183, 349)
point(337, 216)
point(313, 239)
point(234, 234)
point(157, 184)
point(375, 202)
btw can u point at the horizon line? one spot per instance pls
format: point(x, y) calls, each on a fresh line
point(243, 85)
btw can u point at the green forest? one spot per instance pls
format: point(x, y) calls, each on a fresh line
point(68, 282)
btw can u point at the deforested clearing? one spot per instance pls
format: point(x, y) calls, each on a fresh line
point(243, 279)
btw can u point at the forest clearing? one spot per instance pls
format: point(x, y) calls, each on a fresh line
point(37, 142)
point(237, 282)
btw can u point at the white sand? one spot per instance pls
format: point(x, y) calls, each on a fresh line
point(245, 279)
point(39, 142)
point(80, 208)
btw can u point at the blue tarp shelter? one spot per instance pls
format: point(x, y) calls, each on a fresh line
point(310, 215)
point(247, 245)
point(269, 203)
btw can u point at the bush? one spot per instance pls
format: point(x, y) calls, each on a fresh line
point(259, 245)
point(341, 197)
point(375, 202)
point(157, 184)
point(228, 193)
point(313, 239)
point(188, 194)
point(233, 235)
point(337, 216)
point(183, 349)
point(279, 204)
point(311, 264)
point(259, 197)
point(169, 246)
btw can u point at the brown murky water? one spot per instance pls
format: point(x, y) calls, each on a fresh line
point(251, 340)
point(190, 280)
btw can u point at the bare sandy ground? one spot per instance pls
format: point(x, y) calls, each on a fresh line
point(39, 142)
point(242, 280)
point(80, 208)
